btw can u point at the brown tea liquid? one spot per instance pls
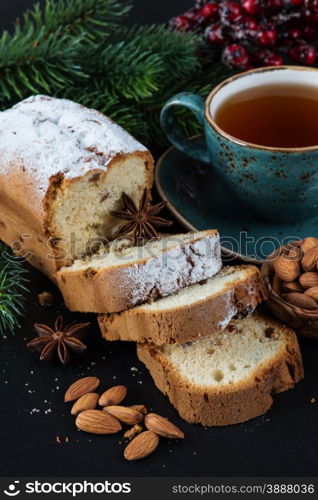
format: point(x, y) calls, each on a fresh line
point(278, 115)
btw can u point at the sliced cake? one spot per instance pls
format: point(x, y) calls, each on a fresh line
point(63, 169)
point(125, 275)
point(195, 311)
point(230, 376)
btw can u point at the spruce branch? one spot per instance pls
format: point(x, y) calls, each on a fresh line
point(12, 288)
point(30, 64)
point(123, 70)
point(43, 53)
point(87, 17)
point(78, 50)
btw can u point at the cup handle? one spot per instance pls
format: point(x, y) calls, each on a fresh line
point(194, 103)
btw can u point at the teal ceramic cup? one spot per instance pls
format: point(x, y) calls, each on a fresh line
point(278, 184)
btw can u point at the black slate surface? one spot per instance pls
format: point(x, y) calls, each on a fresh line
point(283, 442)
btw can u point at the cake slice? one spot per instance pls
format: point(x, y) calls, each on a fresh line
point(126, 276)
point(230, 376)
point(195, 311)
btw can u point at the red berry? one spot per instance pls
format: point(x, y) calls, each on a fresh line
point(311, 4)
point(266, 57)
point(274, 60)
point(294, 53)
point(194, 16)
point(294, 33)
point(267, 37)
point(236, 56)
point(310, 16)
point(261, 56)
point(215, 34)
point(244, 29)
point(230, 12)
point(274, 5)
point(251, 6)
point(308, 55)
point(210, 11)
point(303, 53)
point(250, 24)
point(309, 33)
point(182, 23)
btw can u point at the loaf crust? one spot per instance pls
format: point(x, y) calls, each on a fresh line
point(117, 288)
point(46, 145)
point(186, 323)
point(232, 404)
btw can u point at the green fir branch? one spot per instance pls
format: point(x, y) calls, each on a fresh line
point(12, 289)
point(78, 49)
point(78, 17)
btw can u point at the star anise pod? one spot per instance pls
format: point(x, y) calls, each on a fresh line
point(141, 220)
point(61, 340)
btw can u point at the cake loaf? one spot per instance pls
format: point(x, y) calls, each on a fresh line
point(193, 312)
point(230, 376)
point(127, 275)
point(63, 168)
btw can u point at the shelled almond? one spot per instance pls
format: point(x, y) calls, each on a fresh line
point(162, 426)
point(81, 387)
point(86, 402)
point(97, 422)
point(293, 288)
point(113, 396)
point(102, 414)
point(296, 274)
point(141, 446)
point(123, 414)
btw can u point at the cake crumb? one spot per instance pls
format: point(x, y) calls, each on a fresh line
point(45, 299)
point(66, 439)
point(133, 431)
point(313, 400)
point(141, 408)
point(58, 439)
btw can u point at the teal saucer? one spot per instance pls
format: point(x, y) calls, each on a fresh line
point(198, 200)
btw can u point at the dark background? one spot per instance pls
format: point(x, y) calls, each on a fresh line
point(33, 417)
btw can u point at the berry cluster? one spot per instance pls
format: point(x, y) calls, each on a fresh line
point(253, 33)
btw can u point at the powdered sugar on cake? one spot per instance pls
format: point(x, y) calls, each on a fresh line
point(44, 136)
point(167, 273)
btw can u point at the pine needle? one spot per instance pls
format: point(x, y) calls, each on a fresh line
point(13, 286)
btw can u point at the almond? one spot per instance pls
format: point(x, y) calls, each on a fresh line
point(127, 415)
point(291, 286)
point(97, 422)
point(309, 279)
point(141, 446)
point(276, 284)
point(81, 387)
point(310, 259)
point(86, 402)
point(312, 292)
point(308, 243)
point(300, 300)
point(286, 268)
point(113, 396)
point(162, 426)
